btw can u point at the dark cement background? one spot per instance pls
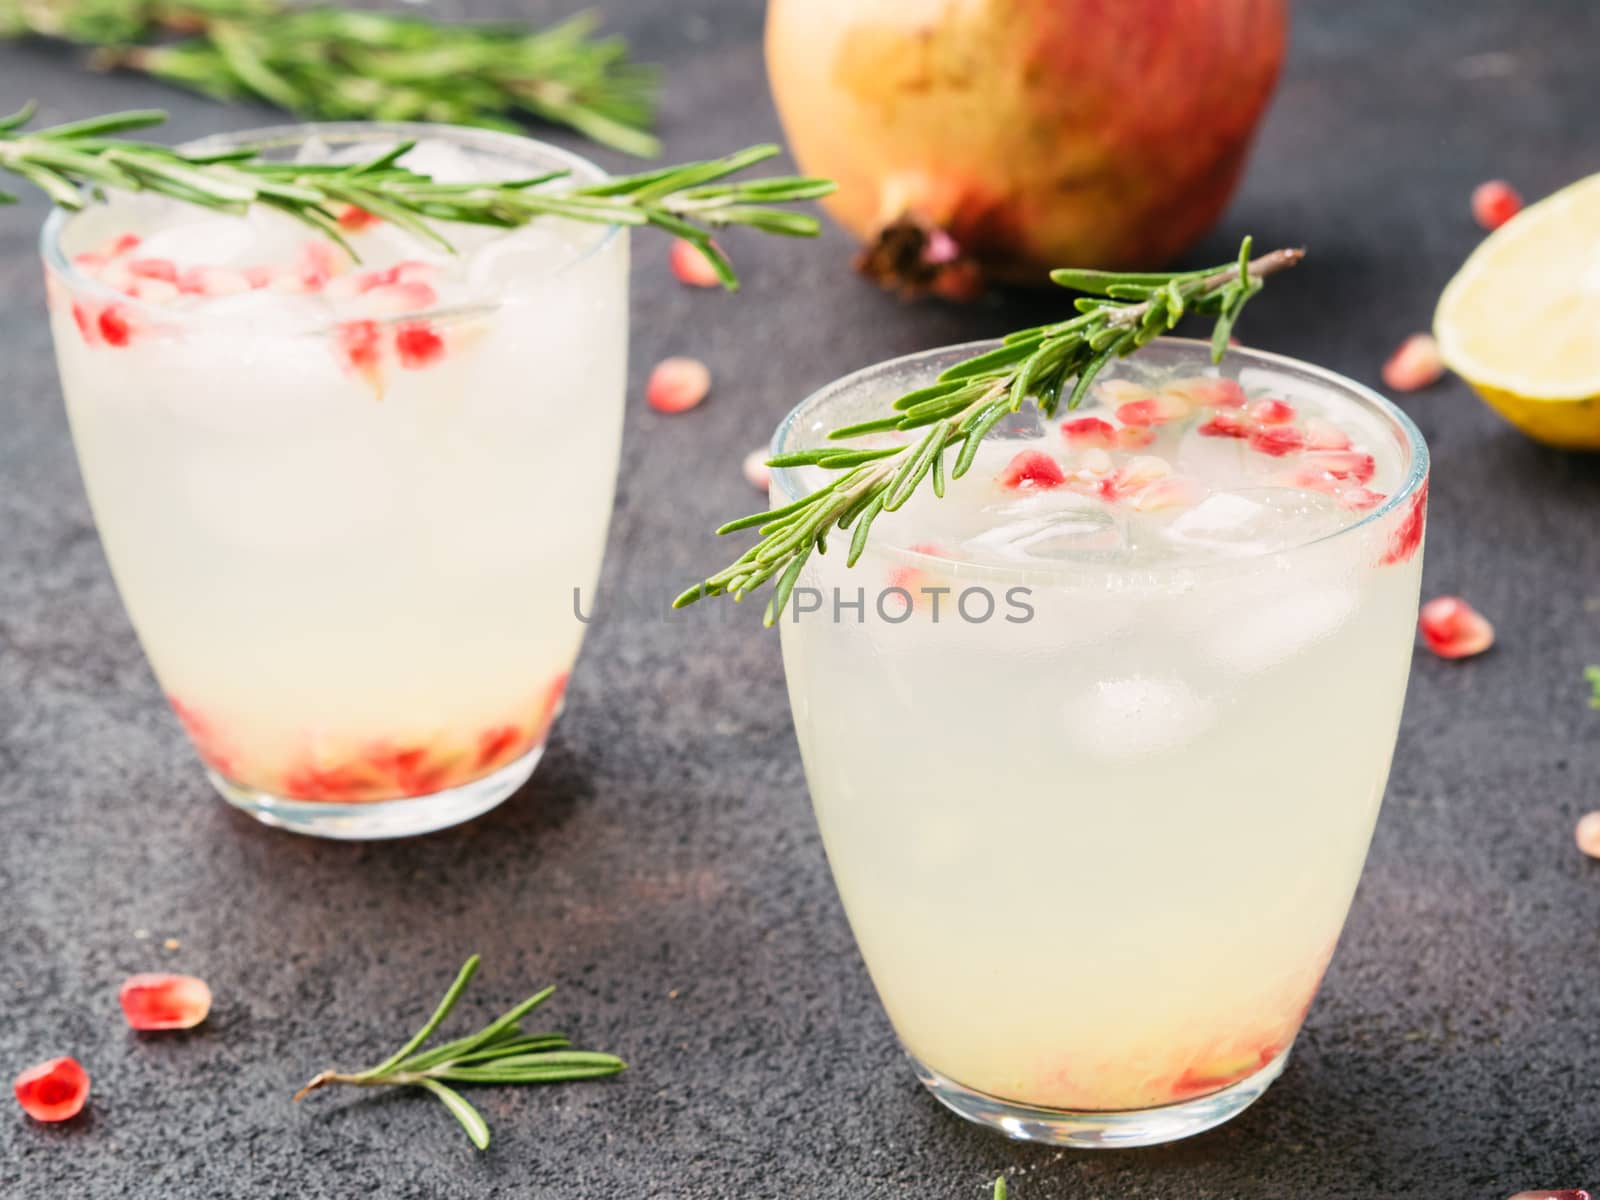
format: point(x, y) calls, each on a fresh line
point(663, 866)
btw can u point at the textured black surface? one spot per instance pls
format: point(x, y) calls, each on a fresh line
point(663, 866)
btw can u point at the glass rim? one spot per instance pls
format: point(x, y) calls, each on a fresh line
point(785, 480)
point(268, 137)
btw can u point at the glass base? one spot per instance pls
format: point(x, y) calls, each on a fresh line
point(1101, 1130)
point(375, 819)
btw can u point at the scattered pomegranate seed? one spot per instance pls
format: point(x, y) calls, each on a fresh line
point(1415, 365)
point(354, 219)
point(1452, 628)
point(691, 266)
point(1225, 422)
point(114, 327)
point(1407, 537)
point(152, 1002)
point(155, 268)
point(1031, 469)
point(1565, 1194)
point(1325, 435)
point(417, 343)
point(1272, 412)
point(1494, 203)
point(1089, 431)
point(1341, 464)
point(53, 1091)
point(1587, 834)
point(756, 472)
point(1207, 390)
point(677, 385)
point(1153, 410)
point(1276, 440)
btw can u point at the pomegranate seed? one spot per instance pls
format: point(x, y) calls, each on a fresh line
point(114, 327)
point(1587, 834)
point(155, 268)
point(318, 263)
point(1225, 422)
point(1135, 474)
point(493, 744)
point(1153, 410)
point(1565, 1194)
point(86, 322)
point(1494, 203)
point(1360, 499)
point(1135, 437)
point(53, 1091)
point(1276, 440)
point(121, 244)
point(259, 277)
point(756, 472)
point(1272, 412)
point(1089, 431)
point(1342, 464)
point(1032, 469)
point(1407, 537)
point(691, 266)
point(1325, 435)
point(1452, 628)
point(156, 291)
point(164, 1001)
point(359, 342)
point(354, 219)
point(1204, 389)
point(677, 385)
point(1415, 365)
point(417, 344)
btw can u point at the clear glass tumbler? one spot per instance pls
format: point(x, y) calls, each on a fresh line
point(1097, 812)
point(347, 531)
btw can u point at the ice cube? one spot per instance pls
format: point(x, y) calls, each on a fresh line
point(1134, 715)
point(1276, 627)
point(265, 311)
point(1051, 526)
point(1254, 521)
point(519, 258)
point(446, 162)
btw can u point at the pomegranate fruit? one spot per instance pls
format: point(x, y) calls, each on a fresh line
point(994, 139)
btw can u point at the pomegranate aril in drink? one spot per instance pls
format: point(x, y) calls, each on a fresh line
point(55, 1090)
point(677, 385)
point(1031, 469)
point(418, 345)
point(1276, 440)
point(1271, 412)
point(153, 1001)
point(1452, 628)
point(1082, 432)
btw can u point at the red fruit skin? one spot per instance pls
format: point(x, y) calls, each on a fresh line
point(55, 1090)
point(1036, 132)
point(1031, 469)
point(154, 1001)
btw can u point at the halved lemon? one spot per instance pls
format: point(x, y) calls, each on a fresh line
point(1520, 321)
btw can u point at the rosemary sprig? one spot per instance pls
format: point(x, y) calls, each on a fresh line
point(338, 64)
point(1592, 676)
point(498, 1053)
point(1121, 313)
point(689, 201)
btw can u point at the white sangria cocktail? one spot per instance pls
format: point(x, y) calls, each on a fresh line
point(347, 500)
point(1097, 741)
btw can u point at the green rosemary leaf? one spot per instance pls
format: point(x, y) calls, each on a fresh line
point(471, 1120)
point(976, 431)
point(938, 472)
point(785, 585)
point(993, 360)
point(858, 543)
point(934, 391)
point(451, 995)
point(915, 467)
point(879, 425)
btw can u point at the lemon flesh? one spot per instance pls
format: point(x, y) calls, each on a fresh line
point(1520, 321)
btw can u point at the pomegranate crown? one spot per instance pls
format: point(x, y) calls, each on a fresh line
point(1121, 312)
